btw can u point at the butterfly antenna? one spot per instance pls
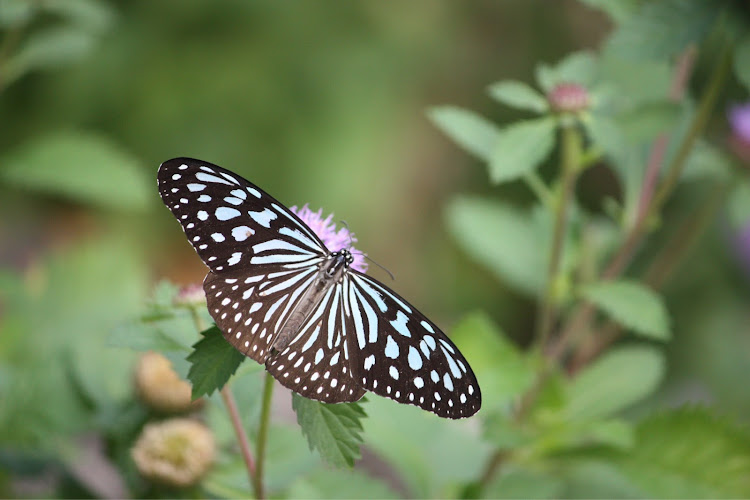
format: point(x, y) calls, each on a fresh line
point(381, 267)
point(351, 245)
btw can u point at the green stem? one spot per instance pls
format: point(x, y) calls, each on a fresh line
point(570, 165)
point(234, 416)
point(539, 188)
point(265, 414)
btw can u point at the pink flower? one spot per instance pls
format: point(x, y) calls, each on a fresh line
point(333, 239)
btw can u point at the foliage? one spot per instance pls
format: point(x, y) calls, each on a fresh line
point(601, 264)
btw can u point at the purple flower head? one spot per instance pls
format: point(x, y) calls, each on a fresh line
point(739, 118)
point(334, 239)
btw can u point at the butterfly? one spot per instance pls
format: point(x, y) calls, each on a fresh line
point(323, 329)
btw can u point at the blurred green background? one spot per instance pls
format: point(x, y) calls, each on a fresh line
point(319, 104)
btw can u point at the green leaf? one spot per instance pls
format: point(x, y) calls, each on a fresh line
point(483, 229)
point(633, 305)
point(742, 62)
point(706, 162)
point(578, 67)
point(213, 361)
point(660, 30)
point(615, 381)
point(515, 482)
point(52, 48)
point(338, 483)
point(15, 13)
point(618, 11)
point(689, 453)
point(93, 16)
point(84, 167)
point(502, 371)
point(518, 95)
point(521, 148)
point(334, 430)
point(472, 132)
point(648, 119)
point(739, 205)
point(596, 478)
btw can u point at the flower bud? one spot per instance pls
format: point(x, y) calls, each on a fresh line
point(190, 295)
point(569, 97)
point(176, 452)
point(159, 386)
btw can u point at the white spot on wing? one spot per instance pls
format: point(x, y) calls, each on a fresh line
point(217, 237)
point(263, 218)
point(391, 348)
point(241, 233)
point(211, 178)
point(415, 360)
point(400, 324)
point(235, 258)
point(202, 214)
point(226, 213)
point(393, 372)
point(196, 187)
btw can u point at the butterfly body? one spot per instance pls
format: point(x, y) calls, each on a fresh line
point(281, 297)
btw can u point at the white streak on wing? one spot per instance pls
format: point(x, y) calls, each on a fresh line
point(332, 315)
point(335, 358)
point(239, 193)
point(264, 218)
point(427, 327)
point(207, 169)
point(369, 361)
point(423, 347)
point(297, 235)
point(273, 245)
point(372, 318)
point(279, 273)
point(226, 213)
point(211, 178)
point(277, 258)
point(319, 355)
point(253, 192)
point(232, 179)
point(272, 309)
point(447, 346)
point(430, 341)
point(359, 327)
point(284, 284)
point(312, 263)
point(384, 291)
point(452, 364)
point(232, 200)
point(374, 294)
point(234, 259)
point(311, 339)
point(289, 216)
point(400, 324)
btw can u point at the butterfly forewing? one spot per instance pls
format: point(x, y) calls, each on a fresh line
point(402, 355)
point(316, 362)
point(231, 223)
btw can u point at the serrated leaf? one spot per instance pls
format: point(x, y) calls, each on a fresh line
point(212, 362)
point(502, 371)
point(52, 48)
point(662, 29)
point(633, 305)
point(483, 228)
point(578, 67)
point(739, 205)
point(334, 430)
point(742, 62)
point(475, 134)
point(518, 95)
point(520, 148)
point(689, 453)
point(615, 381)
point(84, 167)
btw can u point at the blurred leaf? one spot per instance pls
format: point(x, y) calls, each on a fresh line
point(334, 430)
point(433, 456)
point(689, 453)
point(521, 148)
point(613, 432)
point(619, 378)
point(596, 478)
point(618, 11)
point(140, 337)
point(660, 30)
point(607, 134)
point(578, 67)
point(515, 482)
point(633, 305)
point(502, 431)
point(706, 162)
point(338, 483)
point(518, 95)
point(15, 12)
point(634, 81)
point(739, 205)
point(647, 120)
point(213, 361)
point(93, 16)
point(51, 48)
point(502, 371)
point(475, 134)
point(484, 230)
point(742, 62)
point(84, 167)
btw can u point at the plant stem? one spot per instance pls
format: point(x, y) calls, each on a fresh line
point(571, 144)
point(231, 405)
point(537, 186)
point(265, 414)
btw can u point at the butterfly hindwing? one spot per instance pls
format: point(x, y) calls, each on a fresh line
point(398, 353)
point(231, 223)
point(316, 361)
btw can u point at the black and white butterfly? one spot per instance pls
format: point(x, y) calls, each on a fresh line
point(323, 329)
